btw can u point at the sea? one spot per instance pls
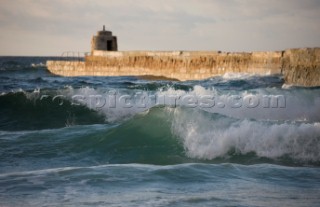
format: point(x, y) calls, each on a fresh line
point(232, 140)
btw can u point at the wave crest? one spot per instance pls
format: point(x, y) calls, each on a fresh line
point(210, 136)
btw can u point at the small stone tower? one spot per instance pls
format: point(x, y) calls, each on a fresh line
point(104, 41)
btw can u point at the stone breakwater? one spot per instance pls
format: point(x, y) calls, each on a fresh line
point(301, 67)
point(298, 66)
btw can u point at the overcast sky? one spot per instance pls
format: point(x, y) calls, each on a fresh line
point(49, 27)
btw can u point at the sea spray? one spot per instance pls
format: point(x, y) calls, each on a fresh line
point(56, 150)
point(209, 136)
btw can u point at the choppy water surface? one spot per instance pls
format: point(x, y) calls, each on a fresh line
point(236, 140)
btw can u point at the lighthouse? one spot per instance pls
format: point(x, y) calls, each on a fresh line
point(104, 40)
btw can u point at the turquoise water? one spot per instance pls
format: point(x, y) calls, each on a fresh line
point(72, 142)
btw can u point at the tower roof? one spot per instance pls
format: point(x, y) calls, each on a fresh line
point(104, 32)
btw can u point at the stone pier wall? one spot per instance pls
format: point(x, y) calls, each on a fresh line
point(299, 66)
point(302, 66)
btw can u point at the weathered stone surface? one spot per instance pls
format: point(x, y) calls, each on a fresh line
point(299, 66)
point(104, 41)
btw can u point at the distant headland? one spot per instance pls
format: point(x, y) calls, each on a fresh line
point(299, 66)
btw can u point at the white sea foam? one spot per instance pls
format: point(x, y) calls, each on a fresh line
point(235, 76)
point(272, 103)
point(104, 102)
point(37, 65)
point(241, 76)
point(207, 137)
point(294, 105)
point(286, 86)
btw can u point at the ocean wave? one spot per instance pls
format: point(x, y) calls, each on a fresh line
point(38, 65)
point(150, 185)
point(272, 103)
point(30, 110)
point(210, 136)
point(171, 136)
point(237, 76)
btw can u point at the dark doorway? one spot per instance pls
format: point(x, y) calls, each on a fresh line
point(109, 45)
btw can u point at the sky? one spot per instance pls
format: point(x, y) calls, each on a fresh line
point(50, 27)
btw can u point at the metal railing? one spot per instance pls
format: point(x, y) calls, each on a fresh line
point(73, 56)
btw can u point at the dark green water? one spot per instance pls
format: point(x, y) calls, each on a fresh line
point(236, 140)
